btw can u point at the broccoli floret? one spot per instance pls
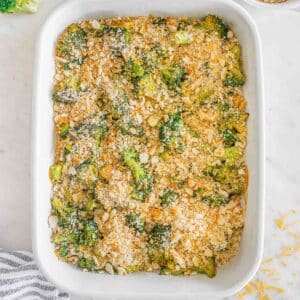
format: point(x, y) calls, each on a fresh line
point(173, 76)
point(159, 51)
point(84, 164)
point(182, 38)
point(159, 21)
point(87, 172)
point(56, 172)
point(14, 6)
point(65, 238)
point(224, 107)
point(73, 41)
point(160, 236)
point(133, 69)
point(215, 200)
point(135, 222)
point(66, 95)
point(182, 25)
point(143, 188)
point(214, 23)
point(234, 78)
point(209, 268)
point(228, 176)
point(86, 264)
point(75, 36)
point(234, 123)
point(171, 131)
point(96, 127)
point(168, 198)
point(64, 130)
point(168, 271)
point(69, 92)
point(230, 137)
point(130, 158)
point(66, 213)
point(143, 182)
point(232, 155)
point(147, 87)
point(67, 150)
point(132, 129)
point(90, 234)
point(116, 31)
point(91, 205)
point(63, 251)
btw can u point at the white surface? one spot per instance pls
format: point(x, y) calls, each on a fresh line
point(230, 277)
point(281, 48)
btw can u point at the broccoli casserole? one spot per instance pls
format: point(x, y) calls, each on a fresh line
point(150, 134)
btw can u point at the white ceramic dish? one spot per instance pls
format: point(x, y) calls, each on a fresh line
point(231, 277)
point(289, 4)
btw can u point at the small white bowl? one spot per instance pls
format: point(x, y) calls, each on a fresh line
point(289, 4)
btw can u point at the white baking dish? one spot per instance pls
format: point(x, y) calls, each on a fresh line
point(289, 4)
point(231, 277)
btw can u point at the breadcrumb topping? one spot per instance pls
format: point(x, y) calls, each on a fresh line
point(150, 134)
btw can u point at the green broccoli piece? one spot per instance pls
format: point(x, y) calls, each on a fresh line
point(214, 23)
point(65, 238)
point(227, 175)
point(63, 251)
point(143, 182)
point(74, 38)
point(173, 76)
point(160, 236)
point(66, 95)
point(182, 38)
point(230, 137)
point(159, 51)
point(66, 213)
point(232, 155)
point(86, 264)
point(215, 200)
point(56, 172)
point(91, 205)
point(171, 131)
point(87, 172)
point(182, 25)
point(159, 21)
point(67, 150)
point(133, 69)
point(135, 222)
point(130, 158)
point(233, 123)
point(90, 233)
point(97, 128)
point(64, 130)
point(84, 164)
point(69, 92)
point(147, 87)
point(234, 78)
point(209, 268)
point(168, 198)
point(14, 6)
point(168, 271)
point(132, 129)
point(143, 188)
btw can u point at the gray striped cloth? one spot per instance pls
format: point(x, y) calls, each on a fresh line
point(21, 279)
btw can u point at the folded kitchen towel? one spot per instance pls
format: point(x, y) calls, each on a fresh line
point(21, 279)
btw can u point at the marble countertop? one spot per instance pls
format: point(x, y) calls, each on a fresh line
point(281, 58)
